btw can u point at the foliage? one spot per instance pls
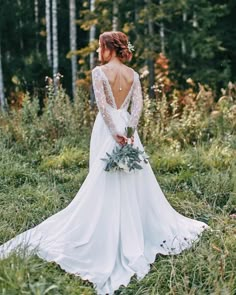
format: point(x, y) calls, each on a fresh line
point(182, 117)
point(190, 137)
point(38, 180)
point(60, 117)
point(175, 117)
point(125, 158)
point(198, 40)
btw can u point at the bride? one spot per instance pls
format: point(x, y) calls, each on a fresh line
point(118, 221)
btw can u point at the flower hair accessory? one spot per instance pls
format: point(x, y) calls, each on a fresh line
point(130, 46)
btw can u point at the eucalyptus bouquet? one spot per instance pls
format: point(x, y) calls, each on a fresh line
point(125, 158)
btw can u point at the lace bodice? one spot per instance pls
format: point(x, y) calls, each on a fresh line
point(105, 99)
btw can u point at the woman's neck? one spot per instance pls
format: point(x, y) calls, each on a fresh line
point(114, 61)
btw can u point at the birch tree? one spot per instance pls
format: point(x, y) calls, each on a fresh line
point(48, 31)
point(183, 44)
point(151, 50)
point(20, 25)
point(73, 45)
point(36, 17)
point(92, 32)
point(162, 33)
point(3, 103)
point(195, 25)
point(54, 40)
point(115, 15)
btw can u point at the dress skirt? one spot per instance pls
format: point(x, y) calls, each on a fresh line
point(114, 226)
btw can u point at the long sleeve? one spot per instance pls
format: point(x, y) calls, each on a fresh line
point(100, 97)
point(137, 103)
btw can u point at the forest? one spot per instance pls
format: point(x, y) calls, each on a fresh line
point(42, 38)
point(185, 54)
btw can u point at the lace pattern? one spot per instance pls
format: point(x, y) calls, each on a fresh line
point(110, 96)
point(105, 99)
point(137, 103)
point(100, 90)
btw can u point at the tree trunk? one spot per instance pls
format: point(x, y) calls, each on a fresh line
point(151, 52)
point(92, 35)
point(20, 26)
point(195, 25)
point(54, 41)
point(115, 15)
point(36, 17)
point(183, 44)
point(3, 103)
point(162, 33)
point(73, 45)
point(136, 15)
point(48, 31)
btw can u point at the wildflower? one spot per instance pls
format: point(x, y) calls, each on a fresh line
point(144, 74)
point(190, 81)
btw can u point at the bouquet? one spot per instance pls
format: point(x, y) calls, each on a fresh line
point(125, 158)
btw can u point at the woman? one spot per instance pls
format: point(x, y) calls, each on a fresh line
point(117, 222)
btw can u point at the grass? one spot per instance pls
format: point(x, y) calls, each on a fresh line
point(199, 181)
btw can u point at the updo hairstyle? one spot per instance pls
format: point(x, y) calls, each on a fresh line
point(115, 41)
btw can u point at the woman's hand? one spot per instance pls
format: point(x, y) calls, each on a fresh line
point(123, 140)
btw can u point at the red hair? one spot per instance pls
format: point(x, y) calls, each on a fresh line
point(116, 42)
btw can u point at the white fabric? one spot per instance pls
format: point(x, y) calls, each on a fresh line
point(105, 100)
point(117, 222)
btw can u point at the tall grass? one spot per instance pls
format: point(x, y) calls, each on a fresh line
point(44, 161)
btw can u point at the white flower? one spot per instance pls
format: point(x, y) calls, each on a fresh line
point(130, 46)
point(144, 74)
point(123, 166)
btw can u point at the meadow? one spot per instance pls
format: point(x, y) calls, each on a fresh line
point(192, 148)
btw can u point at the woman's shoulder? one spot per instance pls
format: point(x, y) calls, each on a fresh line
point(97, 73)
point(102, 69)
point(95, 69)
point(136, 74)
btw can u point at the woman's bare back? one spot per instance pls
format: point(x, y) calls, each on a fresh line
point(120, 78)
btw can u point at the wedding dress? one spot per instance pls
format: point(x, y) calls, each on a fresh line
point(118, 221)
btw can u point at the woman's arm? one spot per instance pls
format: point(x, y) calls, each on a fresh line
point(100, 97)
point(102, 104)
point(137, 103)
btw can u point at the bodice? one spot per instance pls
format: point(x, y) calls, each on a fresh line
point(109, 94)
point(105, 99)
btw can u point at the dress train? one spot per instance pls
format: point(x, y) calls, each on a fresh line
point(115, 225)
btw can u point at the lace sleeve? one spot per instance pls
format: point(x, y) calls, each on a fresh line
point(100, 97)
point(137, 103)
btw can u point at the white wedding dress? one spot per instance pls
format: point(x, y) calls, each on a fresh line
point(118, 221)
